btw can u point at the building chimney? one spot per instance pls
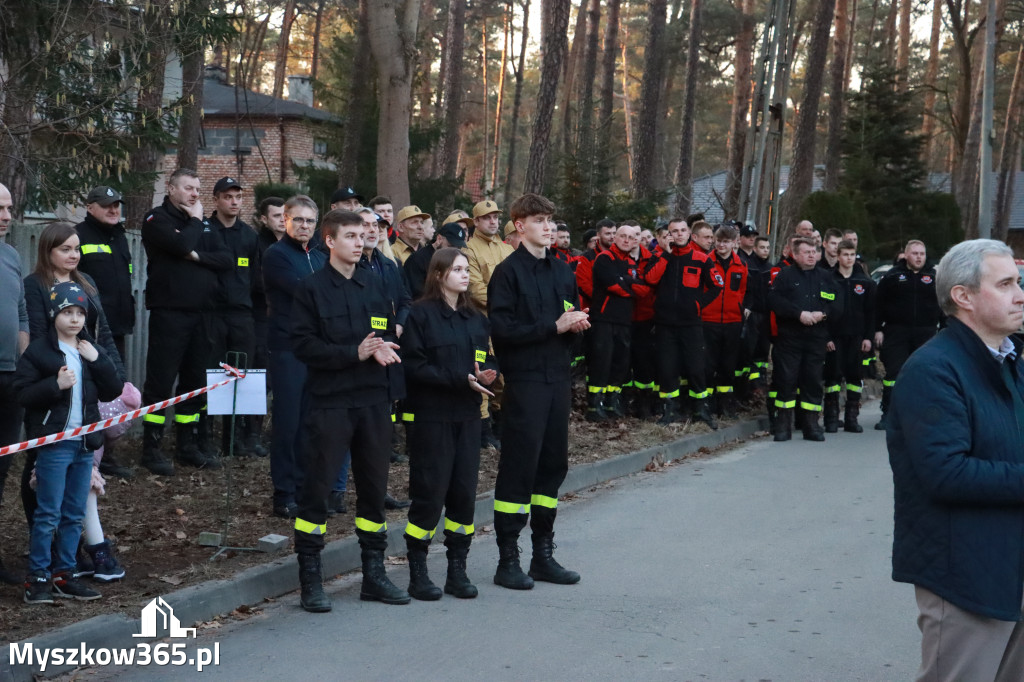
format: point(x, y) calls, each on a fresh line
point(300, 89)
point(217, 73)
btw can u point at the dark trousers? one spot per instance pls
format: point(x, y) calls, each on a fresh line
point(899, 342)
point(179, 348)
point(722, 346)
point(232, 330)
point(119, 344)
point(799, 362)
point(608, 361)
point(366, 431)
point(534, 456)
point(288, 440)
point(10, 423)
point(681, 354)
point(643, 350)
point(845, 362)
point(444, 464)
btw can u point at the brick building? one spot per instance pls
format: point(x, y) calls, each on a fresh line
point(255, 139)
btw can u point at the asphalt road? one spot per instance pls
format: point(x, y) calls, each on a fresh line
point(767, 562)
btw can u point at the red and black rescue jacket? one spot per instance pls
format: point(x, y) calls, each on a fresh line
point(727, 308)
point(643, 308)
point(686, 281)
point(617, 285)
point(584, 274)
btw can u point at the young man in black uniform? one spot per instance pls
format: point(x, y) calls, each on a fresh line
point(686, 281)
point(804, 299)
point(533, 308)
point(233, 327)
point(185, 257)
point(908, 315)
point(851, 339)
point(343, 329)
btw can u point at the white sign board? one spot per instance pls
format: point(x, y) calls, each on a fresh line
point(252, 393)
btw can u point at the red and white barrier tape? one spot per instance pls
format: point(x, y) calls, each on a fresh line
point(235, 374)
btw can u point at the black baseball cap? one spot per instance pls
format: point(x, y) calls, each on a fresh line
point(104, 196)
point(454, 233)
point(344, 194)
point(226, 183)
point(748, 230)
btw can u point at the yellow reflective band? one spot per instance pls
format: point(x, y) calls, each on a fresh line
point(711, 391)
point(185, 418)
point(637, 384)
point(566, 305)
point(243, 262)
point(773, 394)
point(595, 389)
point(480, 356)
point(511, 507)
point(408, 417)
point(379, 322)
point(369, 526)
point(785, 404)
point(86, 249)
point(834, 388)
point(684, 382)
point(890, 384)
point(154, 418)
point(544, 501)
point(810, 407)
point(459, 528)
point(700, 396)
point(673, 394)
point(723, 389)
point(867, 361)
point(628, 384)
point(310, 528)
point(393, 419)
point(131, 268)
point(827, 296)
point(741, 372)
point(613, 389)
point(854, 387)
point(754, 375)
point(414, 531)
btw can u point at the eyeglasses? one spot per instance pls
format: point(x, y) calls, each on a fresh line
point(303, 221)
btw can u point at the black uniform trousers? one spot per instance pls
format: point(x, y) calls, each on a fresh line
point(644, 351)
point(898, 343)
point(179, 348)
point(798, 362)
point(608, 362)
point(845, 362)
point(681, 354)
point(10, 423)
point(722, 343)
point(232, 330)
point(366, 432)
point(534, 456)
point(444, 464)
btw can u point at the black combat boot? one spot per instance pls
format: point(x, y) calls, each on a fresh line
point(457, 583)
point(153, 457)
point(669, 413)
point(613, 405)
point(702, 412)
point(831, 413)
point(187, 449)
point(509, 573)
point(110, 466)
point(850, 424)
point(783, 427)
point(312, 598)
point(811, 428)
point(886, 396)
point(376, 584)
point(773, 412)
point(543, 565)
point(420, 585)
point(595, 409)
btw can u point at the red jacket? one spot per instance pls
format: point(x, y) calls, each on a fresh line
point(585, 275)
point(727, 308)
point(686, 282)
point(643, 309)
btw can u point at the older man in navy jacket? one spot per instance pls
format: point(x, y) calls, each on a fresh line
point(958, 466)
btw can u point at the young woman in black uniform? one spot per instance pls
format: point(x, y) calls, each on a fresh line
point(447, 369)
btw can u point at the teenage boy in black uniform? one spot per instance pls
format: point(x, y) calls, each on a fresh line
point(851, 339)
point(532, 305)
point(686, 281)
point(343, 329)
point(804, 299)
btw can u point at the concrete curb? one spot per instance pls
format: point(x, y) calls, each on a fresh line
point(204, 601)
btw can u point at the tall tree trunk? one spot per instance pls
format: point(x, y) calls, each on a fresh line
point(193, 72)
point(684, 166)
point(451, 94)
point(486, 96)
point(850, 45)
point(281, 62)
point(742, 67)
point(570, 68)
point(554, 25)
point(507, 28)
point(837, 96)
point(801, 173)
point(516, 99)
point(930, 83)
point(1009, 154)
point(603, 133)
point(356, 110)
point(903, 50)
point(585, 127)
point(427, 54)
point(650, 85)
point(890, 39)
point(318, 26)
point(392, 28)
point(627, 112)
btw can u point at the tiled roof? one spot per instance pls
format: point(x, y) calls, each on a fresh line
point(220, 100)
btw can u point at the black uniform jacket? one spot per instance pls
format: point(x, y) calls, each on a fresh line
point(169, 235)
point(794, 291)
point(908, 298)
point(47, 406)
point(330, 317)
point(440, 349)
point(525, 298)
point(238, 281)
point(858, 318)
point(414, 272)
point(107, 258)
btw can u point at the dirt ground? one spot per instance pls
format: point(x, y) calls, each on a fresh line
point(155, 521)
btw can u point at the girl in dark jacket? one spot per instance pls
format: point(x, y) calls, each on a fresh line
point(447, 368)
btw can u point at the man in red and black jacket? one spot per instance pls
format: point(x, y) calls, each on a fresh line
point(561, 249)
point(585, 264)
point(686, 282)
point(723, 320)
point(616, 286)
point(643, 347)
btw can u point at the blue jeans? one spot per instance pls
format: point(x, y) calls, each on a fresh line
point(342, 482)
point(63, 472)
point(287, 437)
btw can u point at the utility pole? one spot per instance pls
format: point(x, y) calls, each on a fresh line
point(985, 187)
